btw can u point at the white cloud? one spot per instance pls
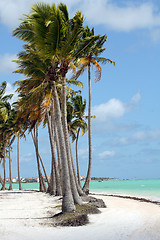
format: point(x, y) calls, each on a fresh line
point(11, 90)
point(155, 35)
point(139, 136)
point(125, 17)
point(106, 154)
point(6, 64)
point(12, 10)
point(114, 108)
point(27, 157)
point(128, 17)
point(136, 98)
point(83, 153)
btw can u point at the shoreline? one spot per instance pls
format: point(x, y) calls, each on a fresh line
point(141, 199)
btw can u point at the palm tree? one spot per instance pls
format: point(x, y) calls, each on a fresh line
point(18, 168)
point(78, 123)
point(51, 76)
point(57, 41)
point(91, 57)
point(5, 130)
point(10, 170)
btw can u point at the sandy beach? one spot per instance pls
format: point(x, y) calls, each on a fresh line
point(24, 215)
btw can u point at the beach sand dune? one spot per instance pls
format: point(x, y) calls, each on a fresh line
point(24, 215)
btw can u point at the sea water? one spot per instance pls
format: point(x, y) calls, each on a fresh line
point(142, 188)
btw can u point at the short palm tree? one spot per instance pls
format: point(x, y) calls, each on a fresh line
point(5, 128)
point(78, 123)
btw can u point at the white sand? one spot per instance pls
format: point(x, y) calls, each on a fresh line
point(22, 215)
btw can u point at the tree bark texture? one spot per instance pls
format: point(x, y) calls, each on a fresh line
point(67, 201)
point(76, 197)
point(55, 180)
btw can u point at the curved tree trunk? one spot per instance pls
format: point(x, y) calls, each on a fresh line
point(67, 202)
point(19, 178)
point(10, 171)
point(76, 197)
point(40, 160)
point(42, 185)
point(86, 185)
point(44, 170)
point(79, 187)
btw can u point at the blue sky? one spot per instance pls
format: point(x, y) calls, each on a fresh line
point(126, 102)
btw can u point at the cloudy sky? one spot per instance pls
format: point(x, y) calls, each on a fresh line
point(126, 102)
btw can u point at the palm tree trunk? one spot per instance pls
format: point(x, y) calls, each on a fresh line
point(67, 201)
point(44, 170)
point(76, 197)
point(19, 178)
point(87, 182)
point(79, 188)
point(55, 181)
point(1, 180)
point(42, 186)
point(57, 147)
point(77, 162)
point(4, 168)
point(10, 171)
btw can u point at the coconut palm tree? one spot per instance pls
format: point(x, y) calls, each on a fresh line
point(18, 168)
point(91, 57)
point(58, 41)
point(51, 76)
point(5, 130)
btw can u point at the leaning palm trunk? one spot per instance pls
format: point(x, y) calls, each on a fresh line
point(19, 178)
point(78, 186)
point(76, 197)
point(55, 180)
point(1, 180)
point(10, 171)
point(44, 170)
point(42, 186)
point(67, 202)
point(86, 185)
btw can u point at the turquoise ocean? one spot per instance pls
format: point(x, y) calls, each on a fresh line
point(143, 188)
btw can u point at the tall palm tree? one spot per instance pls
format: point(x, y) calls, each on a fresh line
point(10, 169)
point(18, 168)
point(57, 40)
point(51, 75)
point(91, 57)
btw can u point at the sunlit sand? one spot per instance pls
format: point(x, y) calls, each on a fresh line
point(25, 215)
